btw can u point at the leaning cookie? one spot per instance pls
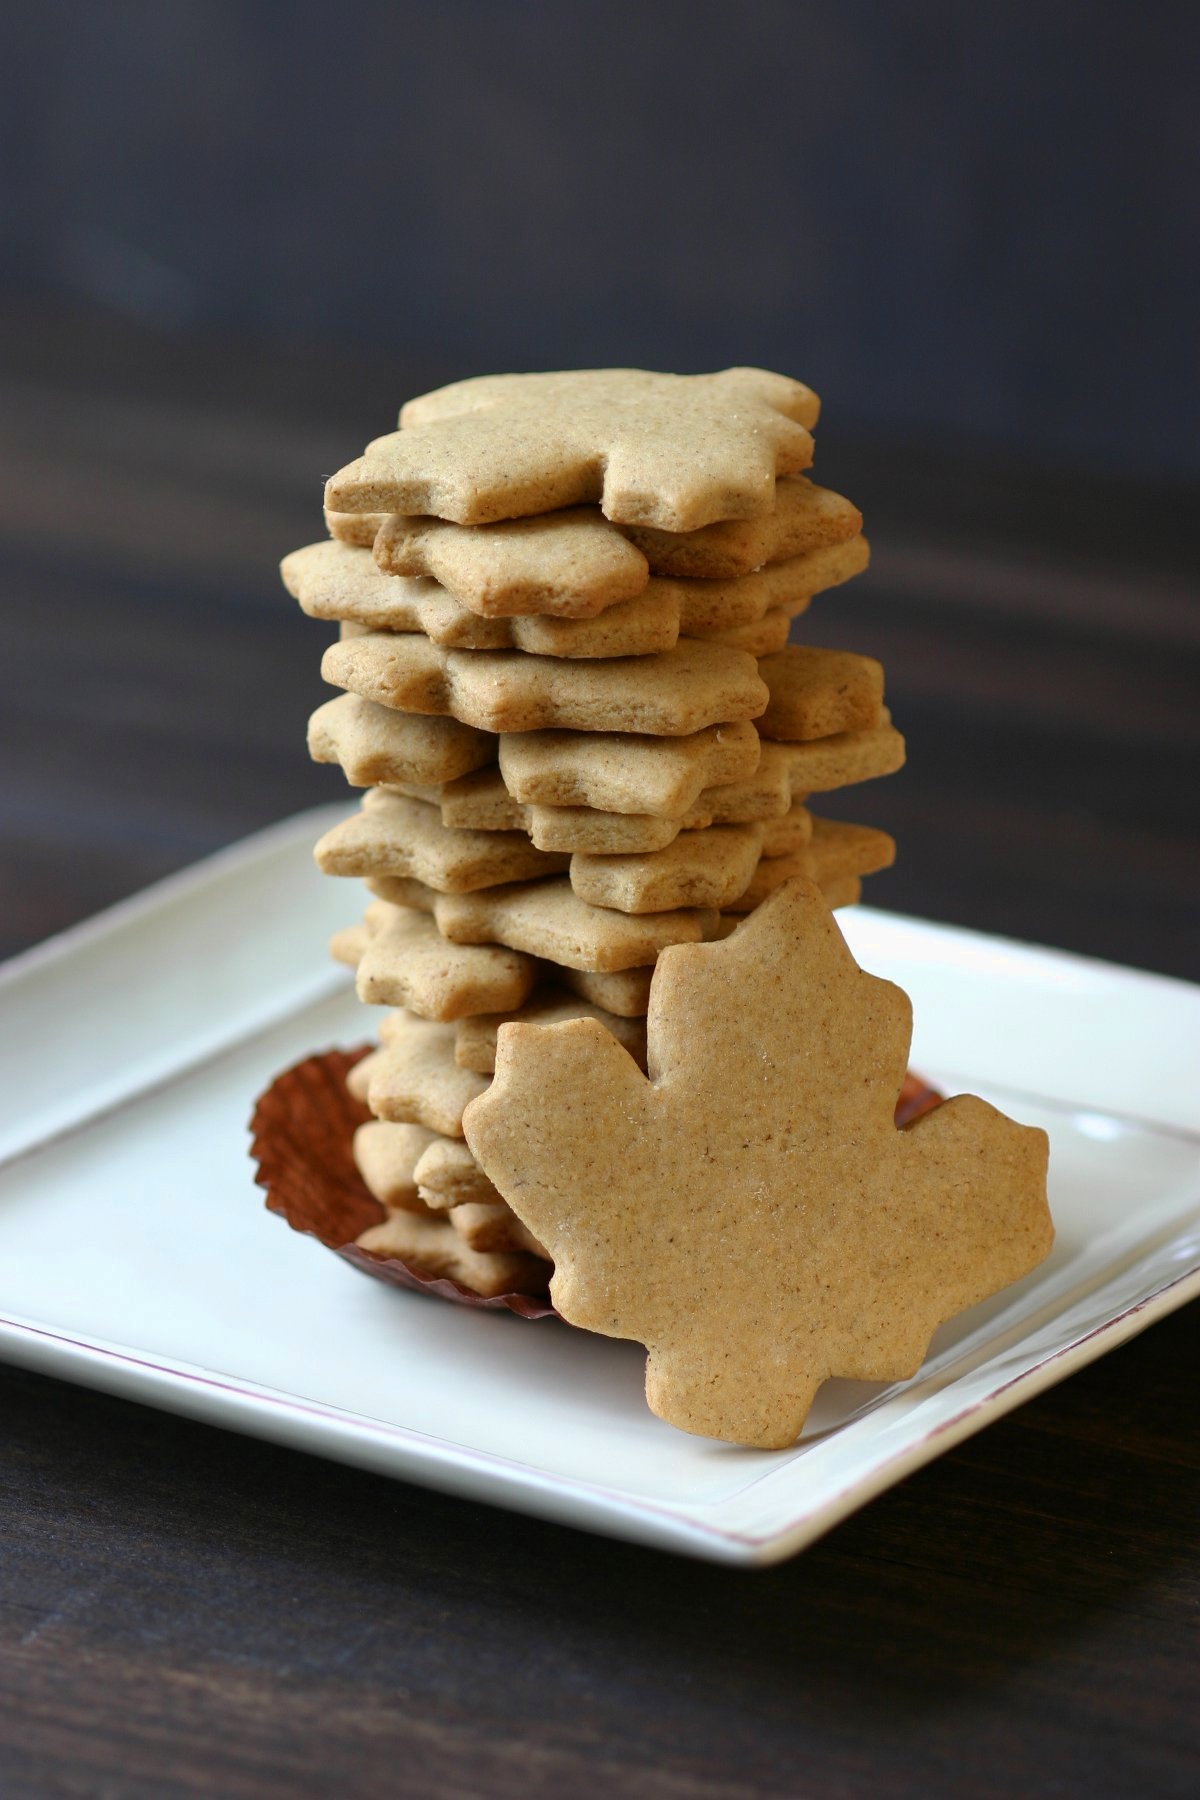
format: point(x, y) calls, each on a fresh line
point(795, 1233)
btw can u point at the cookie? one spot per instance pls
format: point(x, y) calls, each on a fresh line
point(834, 853)
point(349, 945)
point(841, 890)
point(768, 793)
point(673, 693)
point(475, 802)
point(625, 771)
point(494, 1228)
point(837, 848)
point(447, 1176)
point(839, 760)
point(402, 959)
point(376, 744)
point(817, 693)
point(585, 829)
point(780, 837)
point(549, 920)
point(787, 771)
point(670, 451)
point(413, 1079)
point(625, 992)
point(804, 518)
point(481, 802)
point(419, 969)
point(433, 1246)
point(700, 869)
point(729, 866)
point(775, 1065)
point(392, 835)
point(475, 1044)
point(572, 564)
point(386, 1157)
point(718, 605)
point(358, 529)
point(763, 638)
point(332, 581)
point(837, 892)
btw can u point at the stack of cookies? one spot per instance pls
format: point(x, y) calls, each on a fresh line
point(564, 606)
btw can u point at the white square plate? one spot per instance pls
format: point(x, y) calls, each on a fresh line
point(136, 1255)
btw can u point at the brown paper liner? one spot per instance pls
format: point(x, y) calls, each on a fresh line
point(915, 1098)
point(302, 1136)
point(303, 1131)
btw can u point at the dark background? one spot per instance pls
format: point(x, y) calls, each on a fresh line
point(235, 237)
point(238, 235)
point(951, 218)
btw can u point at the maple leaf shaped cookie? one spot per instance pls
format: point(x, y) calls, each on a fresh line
point(673, 451)
point(749, 1211)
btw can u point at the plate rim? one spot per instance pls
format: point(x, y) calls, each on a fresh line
point(137, 1376)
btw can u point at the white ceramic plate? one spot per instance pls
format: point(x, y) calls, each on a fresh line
point(136, 1255)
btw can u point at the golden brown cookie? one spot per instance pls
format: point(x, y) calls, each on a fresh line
point(333, 581)
point(494, 1227)
point(673, 693)
point(572, 564)
point(701, 868)
point(447, 1176)
point(357, 529)
point(402, 959)
point(349, 945)
point(386, 1156)
point(762, 638)
point(780, 837)
point(393, 835)
point(717, 605)
point(835, 853)
point(672, 451)
point(787, 771)
point(836, 848)
point(750, 1212)
point(817, 693)
point(841, 890)
point(377, 744)
point(626, 772)
point(804, 518)
point(847, 757)
point(433, 1246)
point(548, 919)
point(413, 1079)
point(475, 1045)
point(625, 992)
point(481, 802)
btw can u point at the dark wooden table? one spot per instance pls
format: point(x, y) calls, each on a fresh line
point(184, 1612)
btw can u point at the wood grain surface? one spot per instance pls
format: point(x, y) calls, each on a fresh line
point(186, 1612)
